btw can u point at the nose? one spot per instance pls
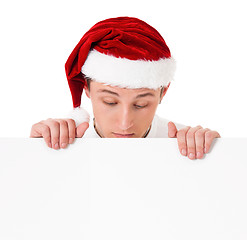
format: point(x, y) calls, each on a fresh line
point(125, 118)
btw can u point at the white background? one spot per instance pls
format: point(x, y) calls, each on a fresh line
point(207, 38)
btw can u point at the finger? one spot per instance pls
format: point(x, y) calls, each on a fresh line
point(191, 146)
point(64, 133)
point(181, 138)
point(72, 130)
point(209, 137)
point(41, 130)
point(36, 130)
point(172, 130)
point(81, 129)
point(200, 141)
point(55, 132)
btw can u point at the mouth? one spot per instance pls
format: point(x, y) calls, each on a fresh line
point(119, 135)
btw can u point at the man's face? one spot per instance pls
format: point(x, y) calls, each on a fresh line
point(121, 112)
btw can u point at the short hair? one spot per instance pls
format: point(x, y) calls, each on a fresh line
point(88, 80)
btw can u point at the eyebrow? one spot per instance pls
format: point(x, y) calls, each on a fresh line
point(116, 94)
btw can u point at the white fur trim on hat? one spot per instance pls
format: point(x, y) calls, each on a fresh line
point(79, 115)
point(126, 73)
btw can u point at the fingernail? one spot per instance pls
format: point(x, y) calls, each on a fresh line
point(49, 145)
point(56, 146)
point(63, 145)
point(71, 140)
point(191, 156)
point(205, 150)
point(184, 152)
point(198, 154)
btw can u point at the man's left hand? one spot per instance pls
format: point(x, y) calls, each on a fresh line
point(192, 142)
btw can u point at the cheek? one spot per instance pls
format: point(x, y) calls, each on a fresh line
point(148, 112)
point(103, 114)
point(98, 109)
point(101, 108)
point(145, 116)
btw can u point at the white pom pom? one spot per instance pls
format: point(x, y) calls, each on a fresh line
point(79, 115)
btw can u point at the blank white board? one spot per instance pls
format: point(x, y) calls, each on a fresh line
point(122, 189)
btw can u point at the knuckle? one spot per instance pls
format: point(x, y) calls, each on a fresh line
point(47, 120)
point(70, 121)
point(199, 148)
point(47, 138)
point(181, 143)
point(181, 133)
point(39, 128)
point(54, 124)
point(64, 133)
point(64, 128)
point(54, 139)
point(209, 134)
point(45, 128)
point(199, 134)
point(64, 139)
point(190, 134)
point(63, 123)
point(34, 126)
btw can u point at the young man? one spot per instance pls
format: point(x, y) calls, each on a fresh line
point(125, 67)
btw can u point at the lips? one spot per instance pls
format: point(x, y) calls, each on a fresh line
point(119, 135)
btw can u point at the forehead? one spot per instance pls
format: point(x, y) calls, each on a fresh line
point(99, 87)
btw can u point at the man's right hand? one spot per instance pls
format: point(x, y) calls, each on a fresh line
point(58, 133)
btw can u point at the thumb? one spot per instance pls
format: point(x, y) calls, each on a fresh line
point(172, 130)
point(81, 129)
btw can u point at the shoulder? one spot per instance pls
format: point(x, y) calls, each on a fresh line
point(159, 128)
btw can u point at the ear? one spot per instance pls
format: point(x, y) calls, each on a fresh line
point(165, 90)
point(86, 90)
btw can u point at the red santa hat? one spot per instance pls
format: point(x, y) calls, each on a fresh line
point(124, 52)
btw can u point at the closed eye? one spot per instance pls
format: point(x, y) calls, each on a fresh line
point(110, 103)
point(139, 106)
point(135, 105)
